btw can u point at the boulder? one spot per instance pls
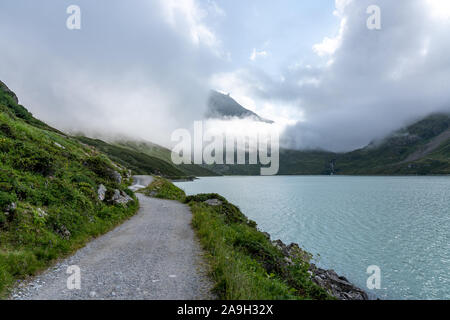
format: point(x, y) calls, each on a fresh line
point(101, 192)
point(41, 213)
point(117, 177)
point(59, 145)
point(5, 89)
point(213, 202)
point(64, 232)
point(120, 197)
point(11, 207)
point(339, 287)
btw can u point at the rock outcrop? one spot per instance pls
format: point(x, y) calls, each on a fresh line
point(5, 89)
point(337, 286)
point(11, 207)
point(117, 177)
point(64, 232)
point(213, 202)
point(101, 192)
point(120, 197)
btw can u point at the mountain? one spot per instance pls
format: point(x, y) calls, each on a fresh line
point(221, 106)
point(137, 161)
point(157, 151)
point(55, 193)
point(419, 149)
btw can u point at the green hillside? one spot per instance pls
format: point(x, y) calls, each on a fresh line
point(49, 200)
point(138, 162)
point(156, 151)
point(419, 149)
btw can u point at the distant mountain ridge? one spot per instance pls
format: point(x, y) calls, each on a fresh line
point(419, 149)
point(222, 106)
point(422, 148)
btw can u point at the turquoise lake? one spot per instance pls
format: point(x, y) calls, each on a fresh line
point(401, 224)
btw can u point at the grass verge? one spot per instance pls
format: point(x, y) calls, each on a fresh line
point(34, 247)
point(164, 189)
point(245, 265)
point(56, 194)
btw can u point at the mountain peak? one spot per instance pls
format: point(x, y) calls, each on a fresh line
point(222, 106)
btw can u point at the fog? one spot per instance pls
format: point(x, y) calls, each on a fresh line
point(144, 69)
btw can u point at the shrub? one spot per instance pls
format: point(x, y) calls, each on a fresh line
point(80, 178)
point(6, 199)
point(204, 197)
point(87, 190)
point(3, 219)
point(6, 130)
point(257, 246)
point(7, 181)
point(33, 159)
point(100, 166)
point(6, 145)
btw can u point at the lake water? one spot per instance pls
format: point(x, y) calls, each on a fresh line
point(401, 224)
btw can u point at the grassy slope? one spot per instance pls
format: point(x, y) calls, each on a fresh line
point(387, 157)
point(137, 161)
point(164, 154)
point(55, 190)
point(164, 189)
point(244, 263)
point(384, 158)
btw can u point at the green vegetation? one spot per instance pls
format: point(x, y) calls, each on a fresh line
point(390, 156)
point(9, 104)
point(156, 151)
point(419, 149)
point(245, 264)
point(138, 162)
point(146, 158)
point(49, 204)
point(164, 189)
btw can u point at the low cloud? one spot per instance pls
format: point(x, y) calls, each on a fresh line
point(145, 69)
point(367, 83)
point(139, 70)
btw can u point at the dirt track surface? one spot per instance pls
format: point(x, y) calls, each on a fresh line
point(152, 256)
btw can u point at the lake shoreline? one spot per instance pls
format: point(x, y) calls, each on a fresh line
point(352, 223)
point(338, 286)
point(284, 258)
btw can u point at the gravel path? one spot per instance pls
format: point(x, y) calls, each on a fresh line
point(152, 256)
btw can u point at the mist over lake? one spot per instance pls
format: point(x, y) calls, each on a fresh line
point(400, 224)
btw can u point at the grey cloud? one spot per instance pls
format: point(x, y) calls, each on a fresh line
point(378, 81)
point(127, 71)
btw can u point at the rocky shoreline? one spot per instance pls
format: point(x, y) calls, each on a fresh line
point(337, 286)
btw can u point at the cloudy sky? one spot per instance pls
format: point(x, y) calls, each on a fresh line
point(144, 67)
